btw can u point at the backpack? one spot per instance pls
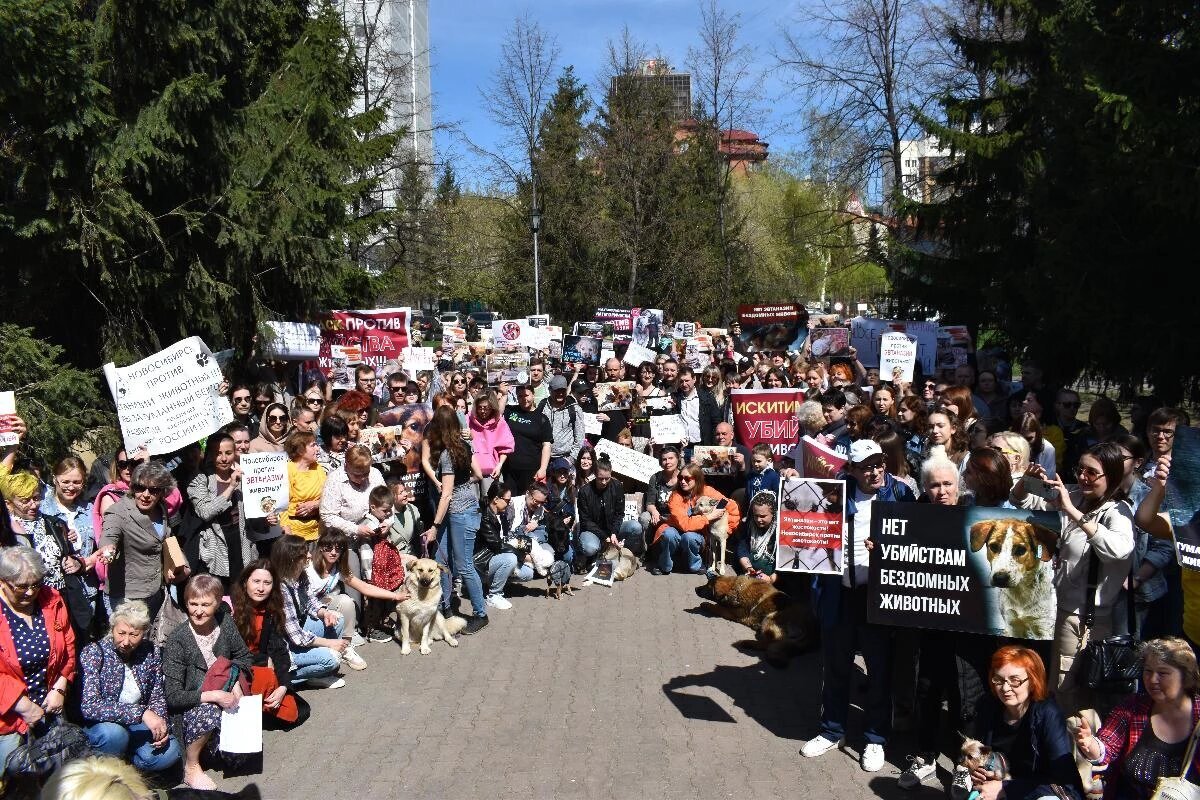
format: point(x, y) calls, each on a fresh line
point(541, 409)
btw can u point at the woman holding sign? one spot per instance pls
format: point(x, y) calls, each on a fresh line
point(216, 495)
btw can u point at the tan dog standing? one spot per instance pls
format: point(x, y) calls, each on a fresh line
point(420, 612)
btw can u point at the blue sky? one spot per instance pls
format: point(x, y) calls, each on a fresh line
point(465, 42)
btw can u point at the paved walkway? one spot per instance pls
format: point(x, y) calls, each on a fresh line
point(612, 693)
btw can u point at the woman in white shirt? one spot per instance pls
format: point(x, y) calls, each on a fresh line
point(1096, 525)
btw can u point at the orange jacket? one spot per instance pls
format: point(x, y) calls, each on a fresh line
point(680, 519)
point(61, 663)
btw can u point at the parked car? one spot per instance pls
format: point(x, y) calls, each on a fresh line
point(450, 319)
point(484, 319)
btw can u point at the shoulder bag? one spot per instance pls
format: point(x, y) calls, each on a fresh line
point(1113, 664)
point(1180, 788)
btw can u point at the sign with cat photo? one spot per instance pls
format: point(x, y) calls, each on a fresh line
point(715, 459)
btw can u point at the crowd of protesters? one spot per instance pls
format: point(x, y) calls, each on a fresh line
point(98, 629)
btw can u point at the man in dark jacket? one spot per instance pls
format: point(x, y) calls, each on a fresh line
point(698, 408)
point(602, 515)
point(840, 604)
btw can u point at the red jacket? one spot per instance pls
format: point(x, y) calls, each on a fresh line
point(62, 658)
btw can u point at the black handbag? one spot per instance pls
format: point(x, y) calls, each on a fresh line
point(1113, 664)
point(40, 755)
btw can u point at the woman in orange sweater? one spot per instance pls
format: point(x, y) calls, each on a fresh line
point(687, 526)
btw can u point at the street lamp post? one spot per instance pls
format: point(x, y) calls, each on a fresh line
point(535, 224)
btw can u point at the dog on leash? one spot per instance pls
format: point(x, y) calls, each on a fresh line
point(1018, 555)
point(783, 626)
point(558, 580)
point(420, 618)
point(718, 531)
point(976, 755)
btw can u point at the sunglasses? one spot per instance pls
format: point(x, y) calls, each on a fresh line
point(397, 390)
point(25, 588)
point(331, 548)
point(127, 464)
point(276, 418)
point(315, 401)
point(139, 488)
point(241, 398)
point(262, 402)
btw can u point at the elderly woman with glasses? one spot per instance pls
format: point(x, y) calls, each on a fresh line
point(1020, 720)
point(1094, 554)
point(123, 696)
point(37, 646)
point(132, 540)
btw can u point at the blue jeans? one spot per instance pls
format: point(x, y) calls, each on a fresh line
point(456, 546)
point(115, 739)
point(589, 546)
point(8, 743)
point(837, 661)
point(500, 568)
point(523, 573)
point(684, 546)
point(316, 662)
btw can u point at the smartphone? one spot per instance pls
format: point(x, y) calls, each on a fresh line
point(1037, 486)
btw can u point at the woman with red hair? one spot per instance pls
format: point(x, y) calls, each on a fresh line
point(1020, 721)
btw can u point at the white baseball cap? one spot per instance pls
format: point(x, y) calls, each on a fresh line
point(863, 449)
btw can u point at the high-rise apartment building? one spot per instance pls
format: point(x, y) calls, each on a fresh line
point(656, 71)
point(920, 162)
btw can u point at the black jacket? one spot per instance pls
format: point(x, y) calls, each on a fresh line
point(710, 414)
point(601, 512)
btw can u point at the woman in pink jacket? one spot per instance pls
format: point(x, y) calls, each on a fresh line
point(491, 439)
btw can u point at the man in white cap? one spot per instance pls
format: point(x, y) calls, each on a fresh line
point(840, 603)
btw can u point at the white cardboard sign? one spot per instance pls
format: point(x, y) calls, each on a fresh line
point(637, 354)
point(264, 484)
point(897, 350)
point(512, 332)
point(668, 429)
point(627, 461)
point(419, 359)
point(8, 407)
point(171, 399)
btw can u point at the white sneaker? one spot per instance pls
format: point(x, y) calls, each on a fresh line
point(332, 682)
point(498, 601)
point(357, 640)
point(918, 770)
point(961, 786)
point(352, 659)
point(818, 746)
point(871, 759)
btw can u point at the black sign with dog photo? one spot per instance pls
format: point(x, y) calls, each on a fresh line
point(976, 570)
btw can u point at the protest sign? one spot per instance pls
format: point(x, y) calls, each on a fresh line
point(342, 361)
point(619, 318)
point(291, 341)
point(379, 335)
point(1182, 500)
point(588, 329)
point(685, 330)
point(865, 334)
point(697, 353)
point(818, 460)
point(591, 425)
point(169, 400)
point(615, 396)
point(242, 727)
point(582, 349)
point(409, 421)
point(812, 525)
point(386, 443)
point(507, 366)
point(714, 459)
point(773, 326)
point(829, 342)
point(953, 346)
point(647, 326)
point(453, 335)
point(668, 429)
point(636, 354)
point(555, 332)
point(419, 359)
point(897, 353)
point(633, 506)
point(512, 332)
point(955, 568)
point(537, 338)
point(264, 483)
point(659, 403)
point(767, 415)
point(538, 320)
point(627, 461)
point(8, 408)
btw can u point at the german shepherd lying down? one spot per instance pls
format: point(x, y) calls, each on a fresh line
point(783, 627)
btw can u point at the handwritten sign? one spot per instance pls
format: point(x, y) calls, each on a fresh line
point(591, 425)
point(264, 483)
point(627, 461)
point(171, 399)
point(668, 429)
point(8, 408)
point(636, 354)
point(419, 359)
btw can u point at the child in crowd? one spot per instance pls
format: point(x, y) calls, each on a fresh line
point(405, 534)
point(381, 561)
point(762, 476)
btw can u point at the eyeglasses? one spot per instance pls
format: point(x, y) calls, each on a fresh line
point(458, 380)
point(1166, 433)
point(1089, 474)
point(138, 488)
point(276, 418)
point(25, 588)
point(686, 479)
point(874, 467)
point(1012, 682)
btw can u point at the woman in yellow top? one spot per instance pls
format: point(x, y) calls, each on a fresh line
point(306, 480)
